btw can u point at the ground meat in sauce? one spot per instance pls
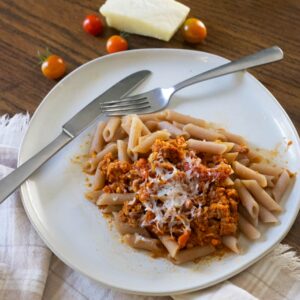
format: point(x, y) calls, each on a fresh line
point(204, 218)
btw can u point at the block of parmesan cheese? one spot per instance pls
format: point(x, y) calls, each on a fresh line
point(156, 18)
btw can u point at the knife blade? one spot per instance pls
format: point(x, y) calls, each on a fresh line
point(83, 119)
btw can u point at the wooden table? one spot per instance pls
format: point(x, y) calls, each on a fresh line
point(235, 28)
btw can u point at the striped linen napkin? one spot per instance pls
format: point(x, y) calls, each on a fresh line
point(29, 270)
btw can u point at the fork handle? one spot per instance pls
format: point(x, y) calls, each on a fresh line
point(262, 57)
point(12, 181)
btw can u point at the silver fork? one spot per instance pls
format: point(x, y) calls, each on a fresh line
point(159, 98)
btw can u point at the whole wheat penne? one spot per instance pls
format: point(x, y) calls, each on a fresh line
point(155, 116)
point(98, 141)
point(242, 149)
point(254, 156)
point(135, 132)
point(270, 182)
point(209, 147)
point(247, 173)
point(184, 119)
point(243, 211)
point(171, 245)
point(248, 229)
point(111, 208)
point(99, 180)
point(110, 128)
point(140, 242)
point(191, 254)
point(247, 200)
point(266, 169)
point(266, 216)
point(147, 141)
point(114, 199)
point(231, 137)
point(229, 146)
point(93, 195)
point(231, 242)
point(245, 161)
point(230, 157)
point(126, 124)
point(124, 228)
point(203, 133)
point(122, 150)
point(90, 165)
point(173, 130)
point(261, 195)
point(281, 185)
point(178, 125)
point(228, 182)
point(152, 125)
point(120, 134)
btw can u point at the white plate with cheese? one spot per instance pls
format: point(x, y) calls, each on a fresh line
point(75, 230)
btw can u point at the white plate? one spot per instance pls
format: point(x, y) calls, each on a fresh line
point(74, 229)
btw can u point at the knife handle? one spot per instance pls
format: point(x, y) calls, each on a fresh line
point(12, 181)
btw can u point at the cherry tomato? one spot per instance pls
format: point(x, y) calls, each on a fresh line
point(93, 25)
point(116, 43)
point(53, 67)
point(194, 31)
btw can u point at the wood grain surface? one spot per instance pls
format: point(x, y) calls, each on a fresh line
point(235, 28)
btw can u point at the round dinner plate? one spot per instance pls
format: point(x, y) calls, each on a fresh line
point(75, 230)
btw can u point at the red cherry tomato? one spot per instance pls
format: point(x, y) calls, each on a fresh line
point(53, 67)
point(116, 43)
point(93, 25)
point(194, 31)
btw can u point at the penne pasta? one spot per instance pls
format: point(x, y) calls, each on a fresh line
point(122, 150)
point(170, 244)
point(248, 229)
point(231, 242)
point(124, 228)
point(126, 124)
point(147, 141)
point(134, 133)
point(270, 182)
point(281, 185)
point(266, 216)
point(230, 157)
point(261, 195)
point(247, 200)
point(111, 128)
point(173, 130)
point(140, 242)
point(203, 133)
point(98, 141)
point(243, 211)
point(99, 180)
point(111, 208)
point(180, 184)
point(171, 116)
point(90, 165)
point(231, 137)
point(178, 125)
point(114, 199)
point(247, 173)
point(191, 254)
point(93, 195)
point(209, 147)
point(152, 125)
point(266, 169)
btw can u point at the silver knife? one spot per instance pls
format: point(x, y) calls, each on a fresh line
point(70, 130)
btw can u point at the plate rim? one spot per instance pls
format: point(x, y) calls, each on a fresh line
point(25, 195)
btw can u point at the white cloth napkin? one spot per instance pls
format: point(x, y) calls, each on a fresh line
point(29, 270)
